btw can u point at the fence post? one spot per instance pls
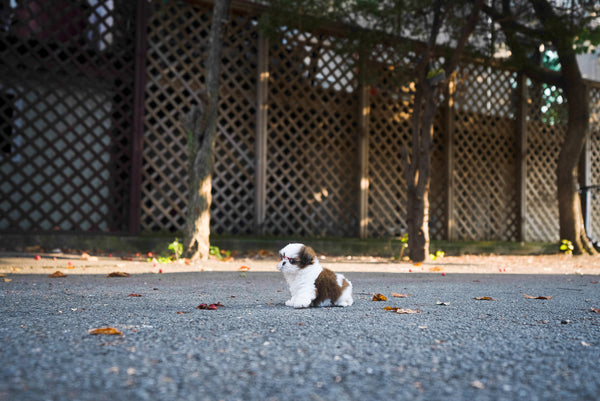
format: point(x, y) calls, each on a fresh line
point(135, 198)
point(585, 175)
point(448, 129)
point(521, 139)
point(261, 131)
point(363, 149)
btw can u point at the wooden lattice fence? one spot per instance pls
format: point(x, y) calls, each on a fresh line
point(66, 115)
point(92, 137)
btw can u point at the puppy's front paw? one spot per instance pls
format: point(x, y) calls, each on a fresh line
point(289, 302)
point(301, 303)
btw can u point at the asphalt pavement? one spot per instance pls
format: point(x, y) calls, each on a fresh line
point(253, 347)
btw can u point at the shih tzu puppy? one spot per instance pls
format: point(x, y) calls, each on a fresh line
point(310, 283)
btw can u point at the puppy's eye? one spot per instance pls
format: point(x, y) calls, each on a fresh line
point(292, 261)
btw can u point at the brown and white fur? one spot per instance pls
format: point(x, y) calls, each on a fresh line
point(310, 283)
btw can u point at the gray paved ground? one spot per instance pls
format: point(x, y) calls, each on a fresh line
point(255, 348)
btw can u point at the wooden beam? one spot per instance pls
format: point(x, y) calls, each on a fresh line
point(521, 138)
point(363, 148)
point(135, 197)
point(585, 180)
point(262, 105)
point(449, 145)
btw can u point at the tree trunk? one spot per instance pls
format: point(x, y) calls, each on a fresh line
point(201, 126)
point(569, 202)
point(418, 172)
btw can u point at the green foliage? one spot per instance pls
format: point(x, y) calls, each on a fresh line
point(566, 247)
point(177, 248)
point(403, 240)
point(220, 254)
point(438, 255)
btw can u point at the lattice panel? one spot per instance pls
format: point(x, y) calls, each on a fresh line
point(312, 184)
point(438, 188)
point(594, 231)
point(177, 48)
point(389, 132)
point(484, 176)
point(545, 136)
point(66, 95)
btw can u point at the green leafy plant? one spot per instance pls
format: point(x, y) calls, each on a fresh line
point(566, 247)
point(437, 255)
point(403, 245)
point(177, 248)
point(220, 254)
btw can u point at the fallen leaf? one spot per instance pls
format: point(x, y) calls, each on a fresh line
point(244, 268)
point(585, 344)
point(394, 294)
point(187, 261)
point(594, 282)
point(118, 274)
point(211, 306)
point(595, 310)
point(477, 384)
point(540, 297)
point(401, 310)
point(379, 297)
point(484, 298)
point(106, 330)
point(56, 274)
point(417, 264)
point(407, 311)
point(7, 280)
point(435, 269)
point(135, 295)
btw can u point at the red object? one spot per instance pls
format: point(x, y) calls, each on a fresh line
point(149, 254)
point(38, 257)
point(160, 270)
point(443, 274)
point(410, 270)
point(70, 263)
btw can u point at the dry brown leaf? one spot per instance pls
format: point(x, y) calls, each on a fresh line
point(56, 274)
point(402, 310)
point(435, 269)
point(135, 295)
point(118, 274)
point(106, 330)
point(540, 297)
point(7, 280)
point(244, 268)
point(595, 310)
point(484, 298)
point(396, 295)
point(379, 297)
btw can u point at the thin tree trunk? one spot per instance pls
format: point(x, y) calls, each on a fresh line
point(426, 102)
point(569, 202)
point(201, 126)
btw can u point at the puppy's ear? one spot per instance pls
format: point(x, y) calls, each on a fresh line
point(306, 256)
